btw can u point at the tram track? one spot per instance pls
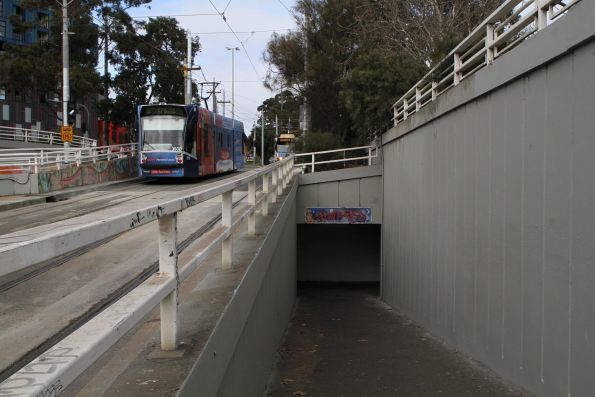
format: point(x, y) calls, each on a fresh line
point(77, 322)
point(55, 211)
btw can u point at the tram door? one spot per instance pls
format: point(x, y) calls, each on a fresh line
point(207, 149)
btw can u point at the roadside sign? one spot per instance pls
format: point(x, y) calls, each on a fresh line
point(66, 132)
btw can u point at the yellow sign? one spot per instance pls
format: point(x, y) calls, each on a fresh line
point(66, 132)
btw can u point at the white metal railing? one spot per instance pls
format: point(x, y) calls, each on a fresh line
point(509, 25)
point(70, 357)
point(36, 160)
point(371, 152)
point(38, 136)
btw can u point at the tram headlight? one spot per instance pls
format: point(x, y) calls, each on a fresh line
point(143, 158)
point(180, 158)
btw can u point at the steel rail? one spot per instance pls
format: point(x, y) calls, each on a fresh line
point(39, 136)
point(69, 358)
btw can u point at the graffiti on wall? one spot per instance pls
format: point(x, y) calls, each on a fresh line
point(86, 174)
point(338, 215)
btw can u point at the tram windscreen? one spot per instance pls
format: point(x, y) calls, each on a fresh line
point(163, 132)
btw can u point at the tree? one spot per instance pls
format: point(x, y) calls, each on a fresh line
point(148, 57)
point(39, 66)
point(362, 55)
point(424, 29)
point(282, 109)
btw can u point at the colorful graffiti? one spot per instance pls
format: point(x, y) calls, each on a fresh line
point(338, 215)
point(86, 174)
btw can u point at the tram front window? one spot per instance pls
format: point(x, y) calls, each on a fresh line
point(163, 133)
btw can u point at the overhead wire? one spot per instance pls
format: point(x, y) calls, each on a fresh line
point(284, 6)
point(250, 31)
point(236, 36)
point(173, 15)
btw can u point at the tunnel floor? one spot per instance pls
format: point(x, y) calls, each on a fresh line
point(344, 341)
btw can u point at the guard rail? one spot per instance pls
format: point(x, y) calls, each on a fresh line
point(35, 160)
point(504, 29)
point(371, 152)
point(51, 372)
point(45, 137)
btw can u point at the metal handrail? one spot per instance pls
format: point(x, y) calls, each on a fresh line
point(312, 155)
point(75, 353)
point(35, 160)
point(39, 136)
point(503, 30)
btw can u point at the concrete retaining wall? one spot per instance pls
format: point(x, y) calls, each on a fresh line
point(489, 225)
point(239, 355)
point(87, 174)
point(352, 187)
point(68, 176)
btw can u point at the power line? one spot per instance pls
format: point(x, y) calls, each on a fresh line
point(246, 32)
point(174, 15)
point(284, 6)
point(225, 9)
point(234, 33)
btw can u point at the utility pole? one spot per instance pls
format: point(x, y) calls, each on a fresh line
point(187, 76)
point(262, 137)
point(65, 66)
point(215, 84)
point(223, 102)
point(233, 101)
point(105, 77)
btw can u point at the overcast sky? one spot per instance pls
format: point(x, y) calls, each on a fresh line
point(243, 16)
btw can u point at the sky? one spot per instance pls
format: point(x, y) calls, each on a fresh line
point(244, 17)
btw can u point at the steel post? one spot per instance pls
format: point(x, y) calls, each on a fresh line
point(168, 267)
point(265, 191)
point(226, 221)
point(274, 187)
point(252, 203)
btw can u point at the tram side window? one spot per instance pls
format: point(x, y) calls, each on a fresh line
point(191, 137)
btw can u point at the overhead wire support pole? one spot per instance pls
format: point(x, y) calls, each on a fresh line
point(65, 64)
point(233, 101)
point(187, 76)
point(262, 138)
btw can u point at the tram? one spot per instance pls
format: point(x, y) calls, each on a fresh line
point(187, 141)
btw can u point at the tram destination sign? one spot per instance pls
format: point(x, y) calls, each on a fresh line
point(163, 110)
point(338, 215)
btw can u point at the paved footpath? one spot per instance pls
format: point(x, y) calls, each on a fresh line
point(344, 341)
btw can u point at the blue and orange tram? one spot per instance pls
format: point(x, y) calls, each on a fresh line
point(187, 141)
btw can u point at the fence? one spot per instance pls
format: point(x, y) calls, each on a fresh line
point(35, 160)
point(371, 152)
point(45, 137)
point(508, 26)
point(70, 357)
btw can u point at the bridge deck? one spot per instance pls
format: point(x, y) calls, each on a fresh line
point(344, 341)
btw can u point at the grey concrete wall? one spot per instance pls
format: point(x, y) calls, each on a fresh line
point(12, 184)
point(352, 187)
point(239, 354)
point(489, 226)
point(8, 144)
point(338, 253)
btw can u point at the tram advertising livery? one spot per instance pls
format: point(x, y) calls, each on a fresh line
point(187, 141)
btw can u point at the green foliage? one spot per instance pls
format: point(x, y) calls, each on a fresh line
point(368, 91)
point(285, 106)
point(316, 142)
point(148, 57)
point(362, 55)
point(39, 65)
